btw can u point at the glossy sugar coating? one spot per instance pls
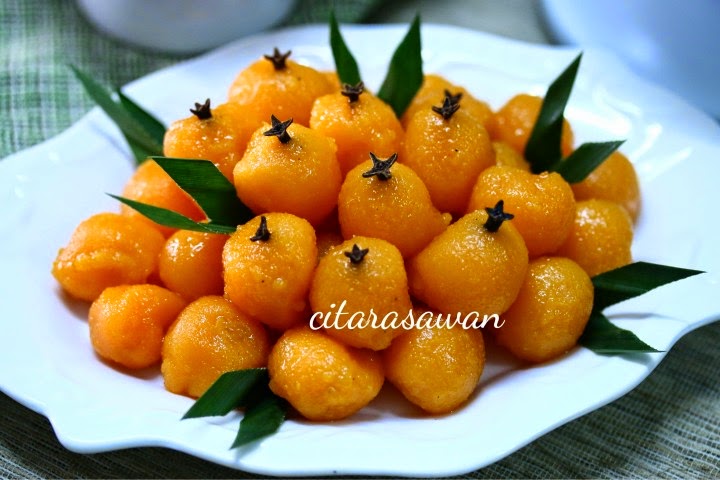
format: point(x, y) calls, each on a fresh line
point(358, 128)
point(543, 205)
point(191, 264)
point(614, 180)
point(221, 138)
point(468, 269)
point(600, 238)
point(515, 120)
point(269, 280)
point(210, 337)
point(432, 92)
point(106, 250)
point(398, 210)
point(287, 93)
point(448, 155)
point(128, 322)
point(438, 368)
point(377, 283)
point(321, 377)
point(550, 312)
point(507, 156)
point(301, 177)
point(150, 184)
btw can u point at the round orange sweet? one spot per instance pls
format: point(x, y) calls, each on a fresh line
point(150, 184)
point(515, 120)
point(614, 180)
point(543, 204)
point(397, 209)
point(128, 322)
point(322, 378)
point(358, 127)
point(600, 238)
point(268, 277)
point(469, 269)
point(218, 134)
point(191, 264)
point(365, 276)
point(301, 176)
point(448, 154)
point(106, 250)
point(437, 368)
point(287, 92)
point(550, 312)
point(507, 156)
point(210, 337)
point(433, 92)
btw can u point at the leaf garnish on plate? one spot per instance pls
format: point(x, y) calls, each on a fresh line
point(633, 280)
point(405, 74)
point(543, 149)
point(345, 64)
point(214, 193)
point(588, 156)
point(145, 119)
point(264, 411)
point(169, 218)
point(231, 390)
point(262, 417)
point(126, 115)
point(623, 283)
point(602, 336)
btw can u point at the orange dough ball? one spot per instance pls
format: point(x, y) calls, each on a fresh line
point(268, 269)
point(397, 208)
point(469, 268)
point(150, 184)
point(543, 205)
point(614, 180)
point(432, 92)
point(106, 250)
point(210, 337)
point(278, 87)
point(600, 238)
point(301, 176)
point(550, 312)
point(365, 275)
point(128, 323)
point(191, 264)
point(515, 120)
point(437, 368)
point(218, 134)
point(507, 156)
point(358, 127)
point(448, 154)
point(322, 378)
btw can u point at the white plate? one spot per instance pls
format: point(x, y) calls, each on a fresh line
point(46, 191)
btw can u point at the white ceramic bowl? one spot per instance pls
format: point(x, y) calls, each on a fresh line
point(183, 26)
point(670, 42)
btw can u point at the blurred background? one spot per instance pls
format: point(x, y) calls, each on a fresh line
point(668, 427)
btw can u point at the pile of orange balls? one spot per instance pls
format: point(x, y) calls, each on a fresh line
point(436, 212)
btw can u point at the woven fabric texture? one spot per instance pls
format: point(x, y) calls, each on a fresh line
point(668, 427)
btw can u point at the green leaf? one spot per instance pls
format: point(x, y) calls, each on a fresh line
point(632, 280)
point(147, 121)
point(202, 180)
point(405, 75)
point(579, 164)
point(601, 336)
point(345, 64)
point(231, 390)
point(141, 141)
point(261, 419)
point(543, 146)
point(171, 219)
